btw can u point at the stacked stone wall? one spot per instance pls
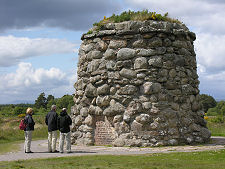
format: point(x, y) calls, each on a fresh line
point(137, 85)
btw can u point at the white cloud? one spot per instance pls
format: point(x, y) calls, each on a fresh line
point(213, 84)
point(203, 15)
point(14, 49)
point(210, 51)
point(218, 77)
point(27, 83)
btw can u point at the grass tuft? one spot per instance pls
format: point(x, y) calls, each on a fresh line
point(134, 16)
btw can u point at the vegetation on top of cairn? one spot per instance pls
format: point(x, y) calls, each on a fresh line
point(135, 16)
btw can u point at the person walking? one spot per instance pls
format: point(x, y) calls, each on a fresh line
point(51, 122)
point(29, 122)
point(64, 122)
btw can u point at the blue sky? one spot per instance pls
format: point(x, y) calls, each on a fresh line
point(39, 41)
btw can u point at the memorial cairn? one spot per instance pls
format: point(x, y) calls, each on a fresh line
point(137, 85)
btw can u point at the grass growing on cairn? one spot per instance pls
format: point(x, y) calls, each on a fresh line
point(134, 16)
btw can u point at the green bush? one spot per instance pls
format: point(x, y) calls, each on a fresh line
point(212, 112)
point(218, 119)
point(207, 102)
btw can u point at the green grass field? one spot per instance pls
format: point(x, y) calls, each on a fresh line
point(217, 129)
point(11, 135)
point(10, 132)
point(196, 160)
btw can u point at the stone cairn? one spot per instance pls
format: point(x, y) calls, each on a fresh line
point(138, 86)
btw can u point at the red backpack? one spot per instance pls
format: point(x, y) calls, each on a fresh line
point(22, 125)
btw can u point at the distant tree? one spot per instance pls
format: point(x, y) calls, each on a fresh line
point(41, 101)
point(50, 103)
point(65, 102)
point(220, 108)
point(19, 110)
point(207, 102)
point(50, 97)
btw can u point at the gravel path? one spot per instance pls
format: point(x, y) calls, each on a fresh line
point(40, 150)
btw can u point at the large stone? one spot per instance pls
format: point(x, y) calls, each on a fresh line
point(127, 90)
point(136, 127)
point(88, 120)
point(173, 142)
point(78, 120)
point(151, 88)
point(172, 73)
point(114, 109)
point(143, 119)
point(90, 91)
point(147, 105)
point(80, 84)
point(140, 63)
point(110, 65)
point(145, 52)
point(117, 118)
point(125, 53)
point(128, 73)
point(187, 89)
point(95, 110)
point(87, 47)
point(139, 43)
point(119, 142)
point(85, 128)
point(84, 112)
point(134, 107)
point(103, 101)
point(93, 65)
point(122, 127)
point(103, 90)
point(155, 61)
point(101, 45)
point(179, 44)
point(95, 54)
point(155, 42)
point(115, 44)
point(110, 54)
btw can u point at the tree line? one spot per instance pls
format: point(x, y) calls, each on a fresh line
point(41, 105)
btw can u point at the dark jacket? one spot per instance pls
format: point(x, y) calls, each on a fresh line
point(51, 121)
point(64, 122)
point(28, 120)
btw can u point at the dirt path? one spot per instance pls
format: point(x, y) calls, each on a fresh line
point(40, 150)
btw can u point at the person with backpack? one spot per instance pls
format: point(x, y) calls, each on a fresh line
point(64, 122)
point(51, 122)
point(29, 128)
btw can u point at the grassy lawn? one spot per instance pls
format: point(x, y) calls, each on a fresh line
point(10, 147)
point(217, 129)
point(196, 160)
point(11, 135)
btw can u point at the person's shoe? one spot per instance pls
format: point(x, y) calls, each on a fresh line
point(56, 151)
point(69, 152)
point(61, 152)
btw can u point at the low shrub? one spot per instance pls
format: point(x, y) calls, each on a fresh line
point(218, 119)
point(21, 115)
